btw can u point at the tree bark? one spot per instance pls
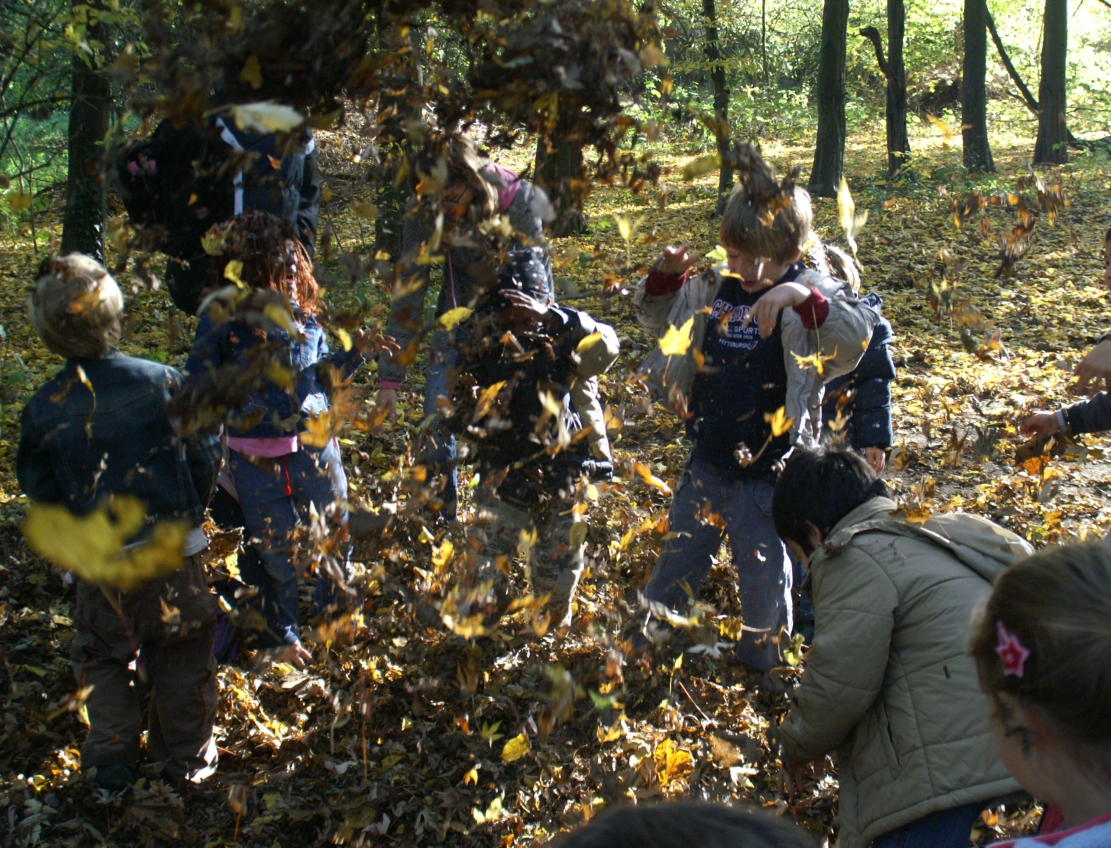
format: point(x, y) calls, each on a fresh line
point(721, 103)
point(86, 201)
point(1053, 135)
point(829, 152)
point(560, 171)
point(974, 97)
point(894, 70)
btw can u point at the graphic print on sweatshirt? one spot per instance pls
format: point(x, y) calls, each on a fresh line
point(729, 322)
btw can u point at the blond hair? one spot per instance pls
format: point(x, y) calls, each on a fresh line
point(1056, 605)
point(75, 306)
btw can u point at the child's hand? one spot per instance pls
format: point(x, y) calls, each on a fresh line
point(877, 458)
point(1095, 366)
point(1040, 424)
point(676, 260)
point(774, 301)
point(367, 344)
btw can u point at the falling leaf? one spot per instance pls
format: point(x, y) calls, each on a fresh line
point(450, 319)
point(781, 424)
point(701, 165)
point(627, 227)
point(266, 117)
point(92, 546)
point(516, 748)
point(645, 474)
point(587, 343)
point(19, 201)
point(252, 72)
point(677, 340)
point(364, 209)
point(851, 223)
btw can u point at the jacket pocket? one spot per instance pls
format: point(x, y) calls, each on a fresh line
point(888, 740)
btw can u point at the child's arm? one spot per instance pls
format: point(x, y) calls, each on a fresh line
point(1088, 416)
point(34, 466)
point(205, 353)
point(656, 293)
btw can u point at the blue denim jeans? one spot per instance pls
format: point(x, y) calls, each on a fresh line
point(943, 829)
point(764, 568)
point(438, 451)
point(275, 496)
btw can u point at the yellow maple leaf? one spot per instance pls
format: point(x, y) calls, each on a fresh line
point(677, 340)
point(92, 546)
point(516, 748)
point(815, 361)
point(671, 763)
point(780, 422)
point(319, 430)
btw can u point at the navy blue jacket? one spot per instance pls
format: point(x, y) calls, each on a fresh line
point(227, 348)
point(77, 447)
point(869, 409)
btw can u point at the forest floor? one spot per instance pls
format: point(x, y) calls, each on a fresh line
point(404, 733)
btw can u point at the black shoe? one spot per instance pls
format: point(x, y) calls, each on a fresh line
point(114, 777)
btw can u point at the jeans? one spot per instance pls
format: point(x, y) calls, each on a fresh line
point(943, 829)
point(707, 506)
point(275, 496)
point(439, 451)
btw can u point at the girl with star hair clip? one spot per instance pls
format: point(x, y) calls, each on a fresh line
point(1043, 652)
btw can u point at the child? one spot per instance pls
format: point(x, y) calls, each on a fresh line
point(279, 471)
point(1043, 651)
point(758, 325)
point(1087, 416)
point(856, 408)
point(517, 397)
point(99, 429)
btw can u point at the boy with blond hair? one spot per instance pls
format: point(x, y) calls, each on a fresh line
point(98, 429)
point(765, 334)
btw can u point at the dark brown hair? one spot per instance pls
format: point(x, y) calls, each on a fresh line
point(685, 824)
point(1057, 604)
point(259, 241)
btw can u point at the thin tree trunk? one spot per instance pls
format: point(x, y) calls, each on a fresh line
point(721, 102)
point(1053, 135)
point(974, 98)
point(898, 142)
point(86, 201)
point(829, 152)
point(561, 173)
point(1027, 96)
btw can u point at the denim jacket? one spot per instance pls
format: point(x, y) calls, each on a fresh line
point(83, 440)
point(282, 412)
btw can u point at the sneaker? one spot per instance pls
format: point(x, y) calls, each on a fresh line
point(114, 777)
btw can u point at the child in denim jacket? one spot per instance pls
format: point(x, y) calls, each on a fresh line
point(99, 429)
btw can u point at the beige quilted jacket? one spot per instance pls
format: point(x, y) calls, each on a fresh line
point(889, 686)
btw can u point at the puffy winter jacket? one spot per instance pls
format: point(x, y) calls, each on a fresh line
point(889, 685)
point(869, 410)
point(840, 341)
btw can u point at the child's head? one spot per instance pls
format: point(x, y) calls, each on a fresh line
point(765, 225)
point(816, 490)
point(467, 194)
point(75, 306)
point(684, 824)
point(272, 258)
point(1042, 647)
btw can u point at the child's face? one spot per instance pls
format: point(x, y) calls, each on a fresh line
point(1107, 264)
point(289, 255)
point(755, 274)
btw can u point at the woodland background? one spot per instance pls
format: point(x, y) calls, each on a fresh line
point(404, 732)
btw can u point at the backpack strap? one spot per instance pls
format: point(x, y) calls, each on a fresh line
point(229, 138)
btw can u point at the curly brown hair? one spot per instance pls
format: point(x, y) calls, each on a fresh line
point(261, 242)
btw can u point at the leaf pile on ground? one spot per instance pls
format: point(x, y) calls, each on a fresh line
point(404, 732)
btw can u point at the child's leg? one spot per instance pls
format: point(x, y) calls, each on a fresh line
point(101, 652)
point(266, 496)
point(318, 478)
point(764, 572)
point(687, 557)
point(183, 672)
point(439, 449)
point(495, 531)
point(557, 562)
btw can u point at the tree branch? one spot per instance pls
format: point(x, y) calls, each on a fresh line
point(873, 35)
point(1027, 98)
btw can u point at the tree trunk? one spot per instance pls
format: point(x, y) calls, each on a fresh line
point(1053, 135)
point(898, 142)
point(974, 97)
point(561, 173)
point(829, 152)
point(721, 103)
point(86, 202)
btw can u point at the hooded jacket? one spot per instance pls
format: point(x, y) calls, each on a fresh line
point(840, 341)
point(889, 685)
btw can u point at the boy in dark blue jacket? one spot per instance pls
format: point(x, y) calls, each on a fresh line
point(99, 429)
